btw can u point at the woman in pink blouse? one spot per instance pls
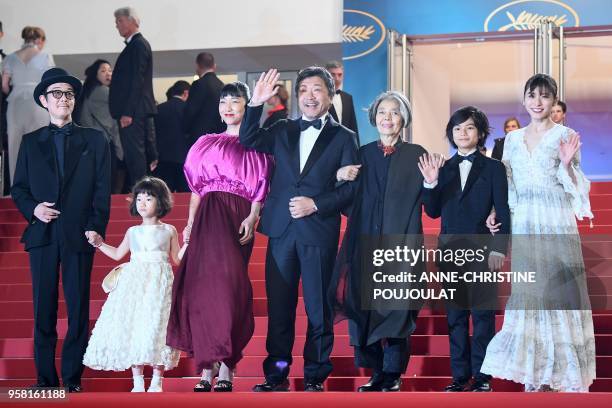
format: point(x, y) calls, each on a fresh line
point(212, 298)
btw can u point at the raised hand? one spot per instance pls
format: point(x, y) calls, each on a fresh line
point(264, 88)
point(568, 149)
point(429, 165)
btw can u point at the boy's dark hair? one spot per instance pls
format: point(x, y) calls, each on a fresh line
point(480, 121)
point(541, 81)
point(319, 72)
point(236, 89)
point(154, 187)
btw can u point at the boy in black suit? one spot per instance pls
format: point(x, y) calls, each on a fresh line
point(463, 193)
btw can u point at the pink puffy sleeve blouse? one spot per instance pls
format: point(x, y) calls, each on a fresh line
point(218, 162)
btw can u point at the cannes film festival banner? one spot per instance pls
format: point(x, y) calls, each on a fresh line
point(364, 43)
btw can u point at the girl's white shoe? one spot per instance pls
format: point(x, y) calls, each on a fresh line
point(156, 384)
point(138, 384)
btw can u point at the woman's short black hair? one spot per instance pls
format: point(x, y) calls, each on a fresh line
point(236, 89)
point(319, 72)
point(541, 81)
point(480, 121)
point(154, 187)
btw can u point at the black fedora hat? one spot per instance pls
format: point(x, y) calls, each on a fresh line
point(54, 76)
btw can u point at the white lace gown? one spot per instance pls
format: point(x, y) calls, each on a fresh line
point(131, 329)
point(545, 347)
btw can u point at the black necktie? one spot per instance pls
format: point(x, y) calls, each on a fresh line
point(469, 157)
point(305, 124)
point(59, 138)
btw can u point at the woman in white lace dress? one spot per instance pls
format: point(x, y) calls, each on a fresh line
point(131, 329)
point(547, 341)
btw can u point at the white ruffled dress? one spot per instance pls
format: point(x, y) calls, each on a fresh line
point(545, 347)
point(131, 329)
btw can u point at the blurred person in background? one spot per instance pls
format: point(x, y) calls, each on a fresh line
point(21, 72)
point(278, 105)
point(92, 111)
point(172, 142)
point(509, 125)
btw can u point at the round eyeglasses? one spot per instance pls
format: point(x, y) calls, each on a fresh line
point(58, 93)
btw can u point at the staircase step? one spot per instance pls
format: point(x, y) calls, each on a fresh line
point(251, 366)
point(433, 324)
point(23, 291)
point(430, 345)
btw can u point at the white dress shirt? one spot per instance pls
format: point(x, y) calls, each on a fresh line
point(308, 138)
point(464, 171)
point(127, 40)
point(337, 102)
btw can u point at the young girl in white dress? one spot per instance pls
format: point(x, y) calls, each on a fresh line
point(131, 329)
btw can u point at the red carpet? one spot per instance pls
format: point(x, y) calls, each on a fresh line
point(428, 370)
point(336, 400)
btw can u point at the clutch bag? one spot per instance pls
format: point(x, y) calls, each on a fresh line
point(110, 281)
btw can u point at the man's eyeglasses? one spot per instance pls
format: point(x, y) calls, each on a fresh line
point(58, 93)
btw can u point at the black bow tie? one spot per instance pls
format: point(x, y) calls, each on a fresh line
point(64, 130)
point(125, 42)
point(338, 91)
point(469, 157)
point(305, 124)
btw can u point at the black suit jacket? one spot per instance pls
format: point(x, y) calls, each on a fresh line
point(84, 195)
point(171, 140)
point(498, 148)
point(334, 148)
point(349, 120)
point(201, 115)
point(131, 90)
point(466, 212)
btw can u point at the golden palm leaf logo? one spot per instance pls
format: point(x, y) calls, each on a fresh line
point(519, 15)
point(362, 33)
point(357, 33)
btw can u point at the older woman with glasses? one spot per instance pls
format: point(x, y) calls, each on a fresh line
point(388, 201)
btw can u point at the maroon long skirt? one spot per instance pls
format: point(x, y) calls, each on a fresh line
point(212, 299)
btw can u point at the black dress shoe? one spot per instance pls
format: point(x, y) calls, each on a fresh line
point(313, 387)
point(392, 383)
point(481, 386)
point(202, 386)
point(374, 385)
point(73, 388)
point(456, 386)
point(41, 385)
point(268, 386)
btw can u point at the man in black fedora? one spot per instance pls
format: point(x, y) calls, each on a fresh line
point(62, 188)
